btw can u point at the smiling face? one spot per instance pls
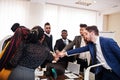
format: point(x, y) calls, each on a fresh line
point(47, 29)
point(88, 36)
point(82, 30)
point(64, 34)
point(91, 33)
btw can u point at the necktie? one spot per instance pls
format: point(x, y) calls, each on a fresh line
point(65, 42)
point(95, 50)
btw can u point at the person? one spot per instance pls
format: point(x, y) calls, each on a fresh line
point(48, 40)
point(79, 41)
point(14, 27)
point(9, 51)
point(4, 41)
point(60, 44)
point(55, 71)
point(103, 50)
point(29, 56)
point(48, 36)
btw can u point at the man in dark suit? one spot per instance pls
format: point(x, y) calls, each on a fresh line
point(60, 44)
point(48, 37)
point(48, 40)
point(102, 50)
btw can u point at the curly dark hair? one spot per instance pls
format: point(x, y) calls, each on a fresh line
point(36, 33)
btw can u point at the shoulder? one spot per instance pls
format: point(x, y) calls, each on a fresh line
point(78, 37)
point(106, 39)
point(69, 40)
point(59, 40)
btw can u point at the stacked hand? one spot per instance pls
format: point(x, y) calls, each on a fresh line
point(56, 58)
point(61, 53)
point(58, 54)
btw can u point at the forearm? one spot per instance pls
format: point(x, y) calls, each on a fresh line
point(69, 46)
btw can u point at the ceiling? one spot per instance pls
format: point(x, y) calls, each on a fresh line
point(103, 6)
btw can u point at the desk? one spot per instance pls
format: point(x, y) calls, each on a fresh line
point(40, 75)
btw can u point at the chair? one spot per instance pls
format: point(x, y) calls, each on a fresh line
point(86, 73)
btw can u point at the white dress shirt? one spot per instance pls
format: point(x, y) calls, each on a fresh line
point(65, 41)
point(99, 54)
point(47, 34)
point(84, 55)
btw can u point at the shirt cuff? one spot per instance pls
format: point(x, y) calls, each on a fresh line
point(66, 54)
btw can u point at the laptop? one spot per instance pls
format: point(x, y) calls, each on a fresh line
point(74, 68)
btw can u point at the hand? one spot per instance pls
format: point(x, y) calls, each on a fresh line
point(56, 57)
point(61, 54)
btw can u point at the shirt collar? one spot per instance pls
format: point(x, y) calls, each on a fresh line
point(97, 40)
point(64, 39)
point(47, 34)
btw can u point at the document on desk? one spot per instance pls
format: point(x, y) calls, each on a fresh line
point(71, 75)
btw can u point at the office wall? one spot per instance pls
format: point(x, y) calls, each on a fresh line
point(24, 12)
point(30, 14)
point(12, 11)
point(112, 23)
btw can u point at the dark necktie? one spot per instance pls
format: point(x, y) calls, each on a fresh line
point(95, 50)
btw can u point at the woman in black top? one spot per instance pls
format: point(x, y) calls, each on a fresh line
point(30, 55)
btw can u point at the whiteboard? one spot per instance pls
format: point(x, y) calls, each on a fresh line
point(107, 34)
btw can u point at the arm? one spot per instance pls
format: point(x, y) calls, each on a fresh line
point(115, 48)
point(78, 50)
point(73, 52)
point(50, 56)
point(56, 46)
point(70, 45)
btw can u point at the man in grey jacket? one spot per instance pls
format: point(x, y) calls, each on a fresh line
point(82, 59)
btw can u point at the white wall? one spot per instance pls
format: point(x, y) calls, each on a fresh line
point(12, 11)
point(67, 18)
point(32, 13)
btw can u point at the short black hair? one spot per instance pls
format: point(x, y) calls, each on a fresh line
point(15, 26)
point(47, 23)
point(64, 30)
point(83, 25)
point(58, 70)
point(36, 33)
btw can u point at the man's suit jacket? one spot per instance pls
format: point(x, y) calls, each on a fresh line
point(76, 42)
point(110, 50)
point(59, 46)
point(48, 42)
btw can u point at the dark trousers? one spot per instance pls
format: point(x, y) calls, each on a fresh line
point(106, 75)
point(83, 64)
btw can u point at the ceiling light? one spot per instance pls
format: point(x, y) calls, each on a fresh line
point(85, 2)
